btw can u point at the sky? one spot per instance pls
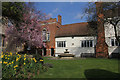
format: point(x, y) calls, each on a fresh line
point(71, 12)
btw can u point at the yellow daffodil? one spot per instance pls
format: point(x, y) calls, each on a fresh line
point(24, 55)
point(2, 53)
point(34, 59)
point(41, 60)
point(5, 62)
point(10, 53)
point(24, 63)
point(5, 57)
point(24, 58)
point(9, 63)
point(14, 69)
point(16, 53)
point(8, 58)
point(12, 62)
point(15, 66)
point(2, 56)
point(17, 59)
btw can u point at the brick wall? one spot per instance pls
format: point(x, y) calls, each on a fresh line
point(51, 27)
point(101, 46)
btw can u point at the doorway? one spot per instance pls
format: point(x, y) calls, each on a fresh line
point(52, 51)
point(44, 51)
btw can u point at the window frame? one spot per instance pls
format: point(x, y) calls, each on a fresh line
point(61, 44)
point(87, 43)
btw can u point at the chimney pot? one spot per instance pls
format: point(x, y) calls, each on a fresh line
point(59, 19)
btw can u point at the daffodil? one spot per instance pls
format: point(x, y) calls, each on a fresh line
point(24, 63)
point(41, 60)
point(24, 58)
point(17, 59)
point(9, 63)
point(2, 53)
point(15, 66)
point(10, 53)
point(24, 55)
point(34, 59)
point(5, 62)
point(12, 62)
point(2, 56)
point(16, 53)
point(0, 61)
point(5, 57)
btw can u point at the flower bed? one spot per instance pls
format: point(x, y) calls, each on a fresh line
point(20, 66)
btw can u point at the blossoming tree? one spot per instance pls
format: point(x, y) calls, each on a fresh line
point(29, 31)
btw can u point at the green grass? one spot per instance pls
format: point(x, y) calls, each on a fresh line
point(81, 68)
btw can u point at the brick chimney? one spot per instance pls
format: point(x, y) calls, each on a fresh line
point(59, 19)
point(101, 46)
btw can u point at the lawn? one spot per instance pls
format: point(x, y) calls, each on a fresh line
point(22, 66)
point(81, 68)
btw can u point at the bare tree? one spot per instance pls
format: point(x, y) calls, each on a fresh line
point(111, 15)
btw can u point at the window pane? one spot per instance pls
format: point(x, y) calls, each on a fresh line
point(116, 43)
point(82, 44)
point(64, 44)
point(87, 43)
point(48, 36)
point(57, 44)
point(44, 34)
point(112, 42)
point(91, 43)
point(61, 44)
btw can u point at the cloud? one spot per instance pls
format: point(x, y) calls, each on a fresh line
point(84, 15)
point(71, 1)
point(50, 15)
point(55, 10)
point(78, 16)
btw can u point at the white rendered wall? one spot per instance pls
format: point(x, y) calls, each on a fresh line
point(76, 48)
point(110, 34)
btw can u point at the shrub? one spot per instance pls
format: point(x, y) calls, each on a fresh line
point(18, 66)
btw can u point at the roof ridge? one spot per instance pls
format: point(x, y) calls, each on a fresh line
point(76, 23)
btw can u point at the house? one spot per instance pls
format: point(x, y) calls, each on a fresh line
point(49, 30)
point(79, 39)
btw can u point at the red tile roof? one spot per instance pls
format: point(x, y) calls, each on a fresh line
point(76, 29)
